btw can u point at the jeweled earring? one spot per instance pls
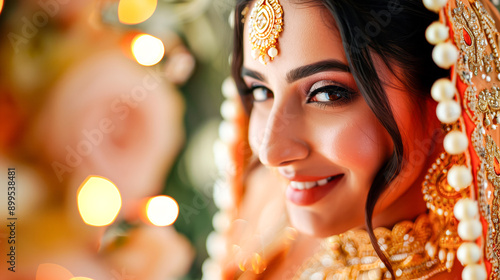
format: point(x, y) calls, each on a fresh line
point(265, 26)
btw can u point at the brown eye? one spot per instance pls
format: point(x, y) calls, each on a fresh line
point(261, 94)
point(330, 95)
point(326, 96)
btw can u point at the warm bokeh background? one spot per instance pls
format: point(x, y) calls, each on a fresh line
point(83, 94)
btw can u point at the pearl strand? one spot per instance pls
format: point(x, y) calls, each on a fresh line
point(445, 55)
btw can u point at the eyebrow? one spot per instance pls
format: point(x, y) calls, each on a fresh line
point(252, 74)
point(311, 69)
point(303, 71)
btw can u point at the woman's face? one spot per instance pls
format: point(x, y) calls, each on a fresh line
point(311, 123)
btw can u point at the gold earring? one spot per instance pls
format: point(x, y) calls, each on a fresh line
point(265, 26)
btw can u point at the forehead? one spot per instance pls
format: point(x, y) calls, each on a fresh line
point(309, 35)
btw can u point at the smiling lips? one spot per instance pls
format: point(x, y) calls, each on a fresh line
point(306, 193)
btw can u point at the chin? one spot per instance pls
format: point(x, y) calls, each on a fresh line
point(312, 224)
point(319, 225)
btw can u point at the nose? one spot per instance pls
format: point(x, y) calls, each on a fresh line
point(284, 139)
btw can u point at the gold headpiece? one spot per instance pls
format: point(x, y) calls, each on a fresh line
point(265, 25)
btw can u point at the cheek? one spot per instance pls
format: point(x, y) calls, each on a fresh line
point(359, 145)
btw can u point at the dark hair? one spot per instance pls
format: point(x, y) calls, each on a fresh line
point(394, 31)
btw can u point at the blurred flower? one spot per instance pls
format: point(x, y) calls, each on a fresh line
point(108, 116)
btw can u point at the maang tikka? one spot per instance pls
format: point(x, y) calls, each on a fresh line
point(265, 25)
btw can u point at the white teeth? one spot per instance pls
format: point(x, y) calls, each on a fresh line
point(309, 185)
point(301, 185)
point(297, 185)
point(322, 182)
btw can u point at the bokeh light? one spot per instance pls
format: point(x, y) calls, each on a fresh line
point(162, 210)
point(147, 50)
point(1, 6)
point(99, 201)
point(136, 11)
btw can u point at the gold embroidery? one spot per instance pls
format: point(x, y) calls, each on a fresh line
point(440, 196)
point(489, 105)
point(474, 31)
point(493, 172)
point(351, 255)
point(441, 199)
point(478, 39)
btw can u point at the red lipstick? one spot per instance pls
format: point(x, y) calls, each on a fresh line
point(305, 197)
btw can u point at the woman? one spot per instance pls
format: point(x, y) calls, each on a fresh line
point(338, 99)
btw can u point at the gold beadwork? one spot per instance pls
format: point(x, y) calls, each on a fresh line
point(477, 37)
point(438, 194)
point(489, 106)
point(265, 26)
point(441, 198)
point(351, 256)
point(474, 32)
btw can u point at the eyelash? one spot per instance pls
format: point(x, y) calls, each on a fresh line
point(344, 95)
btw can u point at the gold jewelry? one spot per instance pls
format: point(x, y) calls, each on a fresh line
point(441, 199)
point(265, 26)
point(351, 256)
point(476, 74)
